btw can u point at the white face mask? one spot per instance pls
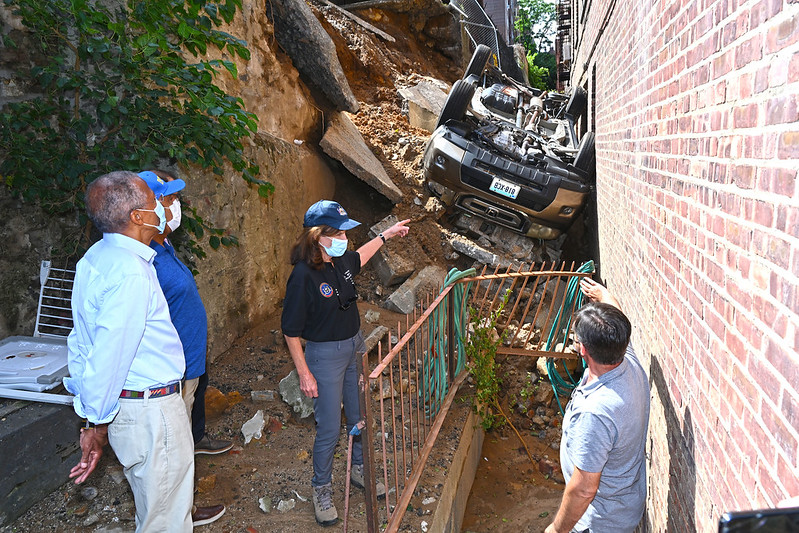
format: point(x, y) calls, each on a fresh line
point(174, 208)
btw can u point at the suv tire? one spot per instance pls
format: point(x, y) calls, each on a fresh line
point(478, 61)
point(575, 107)
point(457, 102)
point(586, 154)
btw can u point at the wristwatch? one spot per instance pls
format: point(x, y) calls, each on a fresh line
point(382, 237)
point(87, 425)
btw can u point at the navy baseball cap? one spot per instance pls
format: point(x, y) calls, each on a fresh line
point(325, 212)
point(160, 186)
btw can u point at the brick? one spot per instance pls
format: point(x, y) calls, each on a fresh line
point(783, 36)
point(748, 51)
point(764, 214)
point(766, 378)
point(782, 109)
point(788, 147)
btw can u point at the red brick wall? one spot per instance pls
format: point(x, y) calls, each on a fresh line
point(695, 109)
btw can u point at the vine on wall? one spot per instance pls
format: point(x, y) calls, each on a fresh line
point(130, 88)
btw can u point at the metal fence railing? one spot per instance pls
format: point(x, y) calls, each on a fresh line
point(411, 383)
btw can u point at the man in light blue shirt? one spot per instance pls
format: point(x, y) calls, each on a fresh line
point(126, 360)
point(602, 452)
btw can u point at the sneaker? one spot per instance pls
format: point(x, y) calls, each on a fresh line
point(205, 515)
point(356, 476)
point(210, 446)
point(325, 511)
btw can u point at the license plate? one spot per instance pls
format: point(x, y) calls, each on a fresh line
point(505, 188)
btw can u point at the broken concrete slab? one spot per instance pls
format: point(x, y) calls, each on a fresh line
point(425, 100)
point(312, 51)
point(292, 395)
point(374, 337)
point(358, 20)
point(391, 266)
point(403, 300)
point(342, 141)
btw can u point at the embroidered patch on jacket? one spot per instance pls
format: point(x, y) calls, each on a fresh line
point(326, 289)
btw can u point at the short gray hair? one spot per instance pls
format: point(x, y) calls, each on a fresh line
point(111, 198)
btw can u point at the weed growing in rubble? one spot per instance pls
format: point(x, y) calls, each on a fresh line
point(481, 351)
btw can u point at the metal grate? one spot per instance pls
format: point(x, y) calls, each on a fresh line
point(54, 314)
point(478, 26)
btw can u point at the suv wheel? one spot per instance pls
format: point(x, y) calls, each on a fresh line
point(586, 154)
point(478, 61)
point(575, 107)
point(457, 102)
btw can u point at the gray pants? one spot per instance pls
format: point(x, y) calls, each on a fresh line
point(333, 365)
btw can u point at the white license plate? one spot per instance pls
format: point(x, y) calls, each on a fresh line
point(505, 188)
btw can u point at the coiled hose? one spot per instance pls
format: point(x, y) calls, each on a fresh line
point(572, 301)
point(435, 364)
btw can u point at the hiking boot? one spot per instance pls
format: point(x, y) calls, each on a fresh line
point(356, 476)
point(325, 511)
point(209, 446)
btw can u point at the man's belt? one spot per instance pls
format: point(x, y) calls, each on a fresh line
point(156, 392)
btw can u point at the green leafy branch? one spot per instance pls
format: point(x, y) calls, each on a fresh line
point(481, 350)
point(127, 89)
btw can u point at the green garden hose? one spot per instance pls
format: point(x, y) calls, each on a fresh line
point(435, 367)
point(561, 326)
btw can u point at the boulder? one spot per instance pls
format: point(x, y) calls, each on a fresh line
point(391, 267)
point(403, 300)
point(311, 50)
point(425, 101)
point(292, 395)
point(342, 141)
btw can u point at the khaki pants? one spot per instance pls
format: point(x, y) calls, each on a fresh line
point(152, 439)
point(189, 390)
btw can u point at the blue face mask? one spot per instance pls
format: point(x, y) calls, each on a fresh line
point(337, 247)
point(161, 213)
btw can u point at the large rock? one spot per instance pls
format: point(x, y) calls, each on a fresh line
point(425, 101)
point(403, 300)
point(342, 141)
point(292, 395)
point(311, 49)
point(391, 266)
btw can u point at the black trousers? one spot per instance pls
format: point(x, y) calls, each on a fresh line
point(198, 409)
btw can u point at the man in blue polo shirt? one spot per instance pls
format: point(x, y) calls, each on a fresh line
point(188, 315)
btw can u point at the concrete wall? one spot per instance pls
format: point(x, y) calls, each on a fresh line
point(695, 108)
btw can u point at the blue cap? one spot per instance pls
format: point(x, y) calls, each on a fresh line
point(160, 186)
point(325, 212)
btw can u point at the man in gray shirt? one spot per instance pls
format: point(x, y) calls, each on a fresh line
point(603, 446)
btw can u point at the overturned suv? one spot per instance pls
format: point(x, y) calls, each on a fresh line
point(509, 153)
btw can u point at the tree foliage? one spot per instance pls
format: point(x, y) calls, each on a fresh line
point(126, 88)
point(535, 23)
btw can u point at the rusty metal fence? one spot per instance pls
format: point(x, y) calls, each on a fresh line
point(407, 394)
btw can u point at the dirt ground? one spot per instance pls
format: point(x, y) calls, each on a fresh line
point(509, 494)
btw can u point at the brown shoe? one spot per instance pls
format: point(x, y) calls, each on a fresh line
point(210, 446)
point(205, 515)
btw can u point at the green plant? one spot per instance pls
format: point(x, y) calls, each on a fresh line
point(481, 350)
point(131, 88)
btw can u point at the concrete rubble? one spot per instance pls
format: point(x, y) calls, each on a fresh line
point(425, 101)
point(374, 337)
point(427, 280)
point(342, 141)
point(391, 267)
point(312, 51)
point(290, 392)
